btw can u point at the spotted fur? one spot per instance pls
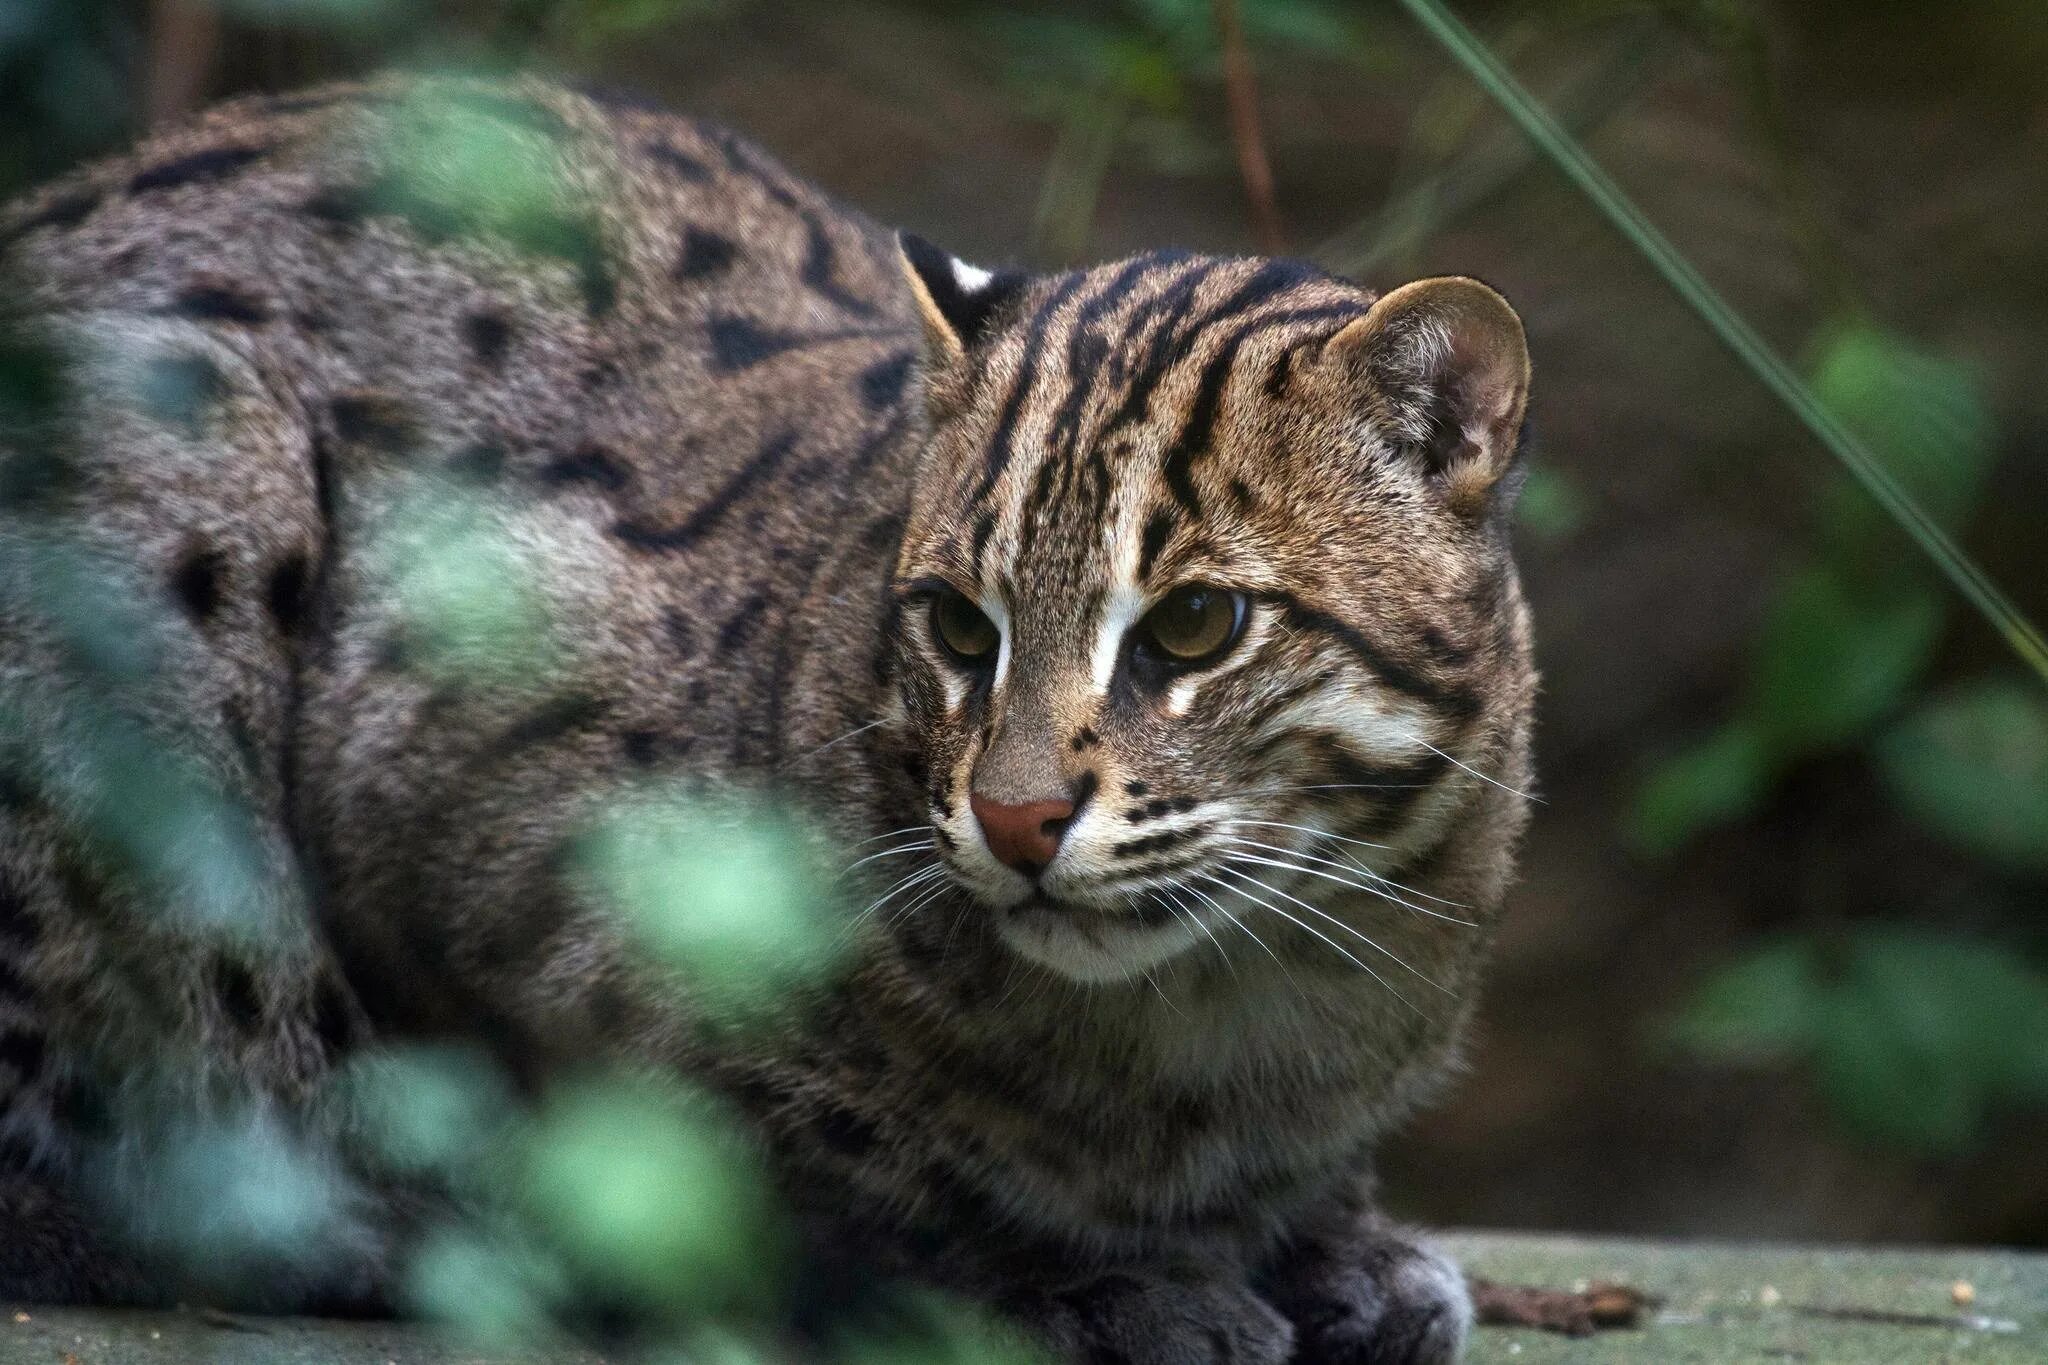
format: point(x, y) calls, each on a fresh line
point(747, 438)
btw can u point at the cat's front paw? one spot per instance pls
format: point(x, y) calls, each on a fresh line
point(1152, 1318)
point(1379, 1298)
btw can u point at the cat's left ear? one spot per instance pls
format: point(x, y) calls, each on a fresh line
point(1446, 367)
point(957, 301)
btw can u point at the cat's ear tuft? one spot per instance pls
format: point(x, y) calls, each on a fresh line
point(957, 301)
point(1447, 369)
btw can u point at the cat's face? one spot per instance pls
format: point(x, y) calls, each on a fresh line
point(1204, 594)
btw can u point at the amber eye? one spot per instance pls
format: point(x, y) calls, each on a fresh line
point(1193, 624)
point(962, 628)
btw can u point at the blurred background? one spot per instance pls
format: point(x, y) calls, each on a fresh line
point(1776, 965)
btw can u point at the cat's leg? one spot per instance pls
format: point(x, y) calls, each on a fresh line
point(1359, 1289)
point(1155, 1317)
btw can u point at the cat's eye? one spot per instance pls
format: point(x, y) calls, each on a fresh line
point(963, 628)
point(1193, 624)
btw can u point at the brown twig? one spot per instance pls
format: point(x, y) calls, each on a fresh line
point(1241, 91)
point(1575, 1313)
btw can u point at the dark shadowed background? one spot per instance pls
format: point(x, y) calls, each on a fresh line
point(1776, 965)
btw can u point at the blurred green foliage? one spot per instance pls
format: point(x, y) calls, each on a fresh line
point(1906, 1029)
point(1915, 1037)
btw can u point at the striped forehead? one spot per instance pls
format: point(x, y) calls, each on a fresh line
point(1113, 400)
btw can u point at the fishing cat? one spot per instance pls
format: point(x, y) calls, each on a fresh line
point(1159, 616)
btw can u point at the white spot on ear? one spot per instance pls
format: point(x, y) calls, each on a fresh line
point(972, 279)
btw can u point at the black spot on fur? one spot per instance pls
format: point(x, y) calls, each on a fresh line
point(488, 335)
point(285, 593)
point(215, 163)
point(677, 163)
point(374, 419)
point(550, 721)
point(881, 384)
point(705, 253)
point(641, 747)
point(195, 582)
point(593, 465)
point(680, 633)
point(179, 390)
point(218, 303)
point(738, 343)
point(742, 624)
point(338, 206)
point(483, 463)
point(1136, 788)
point(236, 990)
point(66, 210)
point(882, 532)
point(762, 465)
point(1241, 495)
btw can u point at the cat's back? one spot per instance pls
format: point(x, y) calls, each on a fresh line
point(581, 282)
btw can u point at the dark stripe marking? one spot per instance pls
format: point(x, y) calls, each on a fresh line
point(763, 463)
point(215, 163)
point(705, 253)
point(590, 465)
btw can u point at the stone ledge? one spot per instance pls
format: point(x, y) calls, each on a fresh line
point(1718, 1303)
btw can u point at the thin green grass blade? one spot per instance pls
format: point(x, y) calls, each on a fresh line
point(1749, 347)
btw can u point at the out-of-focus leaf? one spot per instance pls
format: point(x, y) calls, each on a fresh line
point(1551, 505)
point(1883, 1084)
point(1760, 1007)
point(729, 896)
point(1977, 1008)
point(1921, 413)
point(468, 588)
point(1716, 782)
point(496, 1290)
point(429, 1108)
point(1914, 1036)
point(1832, 661)
point(1973, 767)
point(648, 1196)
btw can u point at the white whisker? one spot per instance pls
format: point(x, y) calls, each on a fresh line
point(1346, 881)
point(1335, 946)
point(1352, 930)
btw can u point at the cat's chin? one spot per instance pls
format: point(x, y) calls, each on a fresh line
point(1091, 947)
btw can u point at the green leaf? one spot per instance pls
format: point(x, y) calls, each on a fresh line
point(1884, 1085)
point(648, 1193)
point(1923, 415)
point(1972, 766)
point(1833, 660)
point(1763, 1006)
point(1978, 1009)
point(1716, 782)
point(1552, 505)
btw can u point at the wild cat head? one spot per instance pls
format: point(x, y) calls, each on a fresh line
point(1205, 580)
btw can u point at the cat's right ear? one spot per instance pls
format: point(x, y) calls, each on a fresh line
point(957, 301)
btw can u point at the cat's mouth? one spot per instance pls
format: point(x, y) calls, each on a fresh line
point(1144, 912)
point(1091, 944)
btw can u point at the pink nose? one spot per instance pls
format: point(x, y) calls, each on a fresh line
point(1024, 836)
